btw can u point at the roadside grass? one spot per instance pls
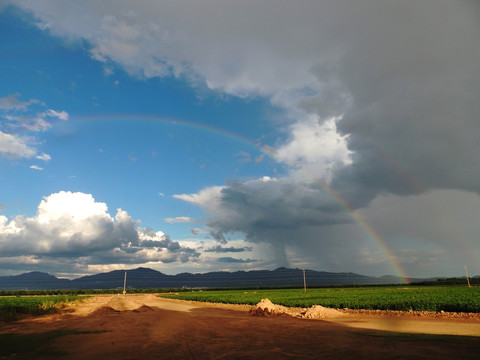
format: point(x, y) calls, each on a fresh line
point(401, 298)
point(13, 307)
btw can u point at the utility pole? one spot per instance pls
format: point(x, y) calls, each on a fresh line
point(124, 283)
point(304, 282)
point(466, 273)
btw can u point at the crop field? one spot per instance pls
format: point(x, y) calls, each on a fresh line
point(448, 298)
point(11, 307)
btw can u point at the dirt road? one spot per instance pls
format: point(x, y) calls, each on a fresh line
point(147, 327)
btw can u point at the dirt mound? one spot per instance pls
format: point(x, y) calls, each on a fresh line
point(144, 308)
point(320, 312)
point(105, 310)
point(266, 308)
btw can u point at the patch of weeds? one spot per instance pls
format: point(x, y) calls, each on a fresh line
point(22, 345)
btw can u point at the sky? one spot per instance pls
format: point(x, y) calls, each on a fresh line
point(196, 136)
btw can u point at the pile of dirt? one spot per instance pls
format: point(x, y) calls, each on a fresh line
point(104, 310)
point(266, 308)
point(320, 312)
point(143, 308)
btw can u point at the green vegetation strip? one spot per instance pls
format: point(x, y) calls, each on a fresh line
point(11, 307)
point(448, 298)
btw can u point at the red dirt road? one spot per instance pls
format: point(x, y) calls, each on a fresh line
point(147, 327)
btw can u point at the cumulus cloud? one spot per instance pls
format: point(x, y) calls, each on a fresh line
point(429, 235)
point(315, 147)
point(73, 227)
point(268, 210)
point(378, 98)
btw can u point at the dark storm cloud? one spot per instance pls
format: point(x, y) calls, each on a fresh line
point(412, 72)
point(221, 249)
point(256, 207)
point(402, 77)
point(407, 77)
point(231, 260)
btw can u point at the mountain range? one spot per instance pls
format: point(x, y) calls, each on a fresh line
point(144, 278)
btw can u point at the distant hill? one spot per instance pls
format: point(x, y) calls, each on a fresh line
point(144, 278)
point(34, 280)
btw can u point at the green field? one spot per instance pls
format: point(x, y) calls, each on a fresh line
point(448, 298)
point(11, 307)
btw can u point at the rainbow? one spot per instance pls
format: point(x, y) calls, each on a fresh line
point(367, 228)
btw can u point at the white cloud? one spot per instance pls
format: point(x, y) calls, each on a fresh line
point(315, 147)
point(402, 79)
point(44, 157)
point(208, 197)
point(12, 102)
point(31, 122)
point(75, 206)
point(244, 58)
point(14, 146)
point(180, 219)
point(397, 73)
point(18, 116)
point(74, 230)
point(62, 115)
point(35, 167)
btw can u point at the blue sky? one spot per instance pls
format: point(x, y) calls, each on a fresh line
point(126, 139)
point(219, 136)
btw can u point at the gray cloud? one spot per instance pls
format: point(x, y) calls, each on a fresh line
point(258, 205)
point(412, 82)
point(196, 231)
point(402, 75)
point(221, 249)
point(269, 210)
point(401, 78)
point(234, 260)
